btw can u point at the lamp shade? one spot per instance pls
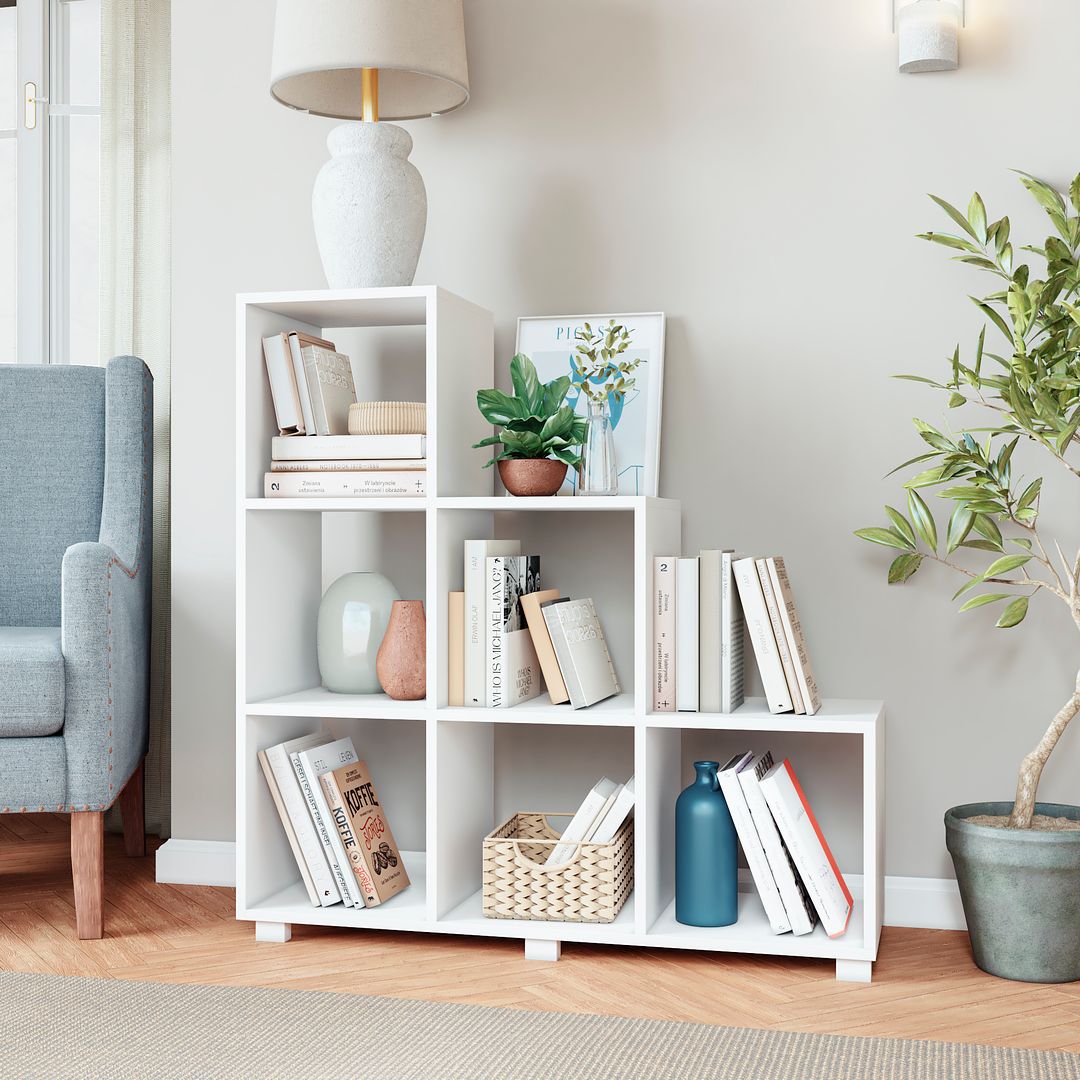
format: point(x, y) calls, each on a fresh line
point(320, 47)
point(929, 32)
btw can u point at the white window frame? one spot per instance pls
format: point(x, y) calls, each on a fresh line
point(43, 229)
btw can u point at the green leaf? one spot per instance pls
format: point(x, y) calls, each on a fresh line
point(885, 537)
point(977, 216)
point(1031, 493)
point(987, 528)
point(903, 566)
point(967, 586)
point(1044, 195)
point(960, 524)
point(946, 240)
point(927, 478)
point(923, 519)
point(903, 526)
point(555, 393)
point(982, 545)
point(980, 601)
point(1005, 564)
point(994, 317)
point(1014, 613)
point(956, 400)
point(1074, 193)
point(956, 216)
point(498, 408)
point(526, 384)
point(911, 461)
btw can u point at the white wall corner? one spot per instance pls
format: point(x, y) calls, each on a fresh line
point(196, 862)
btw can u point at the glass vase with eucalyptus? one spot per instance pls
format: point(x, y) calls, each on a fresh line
point(604, 375)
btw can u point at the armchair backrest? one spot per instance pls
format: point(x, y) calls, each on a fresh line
point(55, 424)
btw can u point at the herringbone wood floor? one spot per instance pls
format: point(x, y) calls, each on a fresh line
point(925, 985)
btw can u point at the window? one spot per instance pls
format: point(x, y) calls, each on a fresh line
point(50, 107)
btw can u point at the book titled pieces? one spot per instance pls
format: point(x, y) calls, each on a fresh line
point(311, 384)
point(582, 652)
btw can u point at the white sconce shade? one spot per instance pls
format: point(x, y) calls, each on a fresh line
point(929, 32)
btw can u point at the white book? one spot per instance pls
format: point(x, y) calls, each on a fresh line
point(797, 905)
point(808, 847)
point(709, 633)
point(761, 635)
point(783, 646)
point(303, 391)
point(348, 447)
point(686, 635)
point(303, 839)
point(330, 387)
point(309, 765)
point(582, 652)
point(752, 847)
point(476, 555)
point(620, 809)
point(663, 625)
point(732, 633)
point(344, 485)
point(582, 821)
point(521, 666)
point(789, 616)
point(351, 465)
point(283, 393)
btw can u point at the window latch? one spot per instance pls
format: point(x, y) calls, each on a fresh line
point(31, 100)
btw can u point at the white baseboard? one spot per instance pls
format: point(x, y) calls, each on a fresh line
point(929, 903)
point(196, 862)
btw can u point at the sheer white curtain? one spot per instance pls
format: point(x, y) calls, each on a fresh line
point(135, 138)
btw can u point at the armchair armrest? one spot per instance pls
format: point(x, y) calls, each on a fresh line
point(105, 636)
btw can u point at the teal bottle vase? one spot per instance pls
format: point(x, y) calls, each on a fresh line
point(706, 853)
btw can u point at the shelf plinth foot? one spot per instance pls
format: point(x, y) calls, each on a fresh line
point(279, 932)
point(854, 970)
point(542, 949)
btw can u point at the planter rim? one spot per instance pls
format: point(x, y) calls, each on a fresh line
point(956, 819)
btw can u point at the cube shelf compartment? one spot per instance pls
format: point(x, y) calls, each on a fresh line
point(448, 775)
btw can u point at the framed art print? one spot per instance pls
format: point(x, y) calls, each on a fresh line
point(549, 341)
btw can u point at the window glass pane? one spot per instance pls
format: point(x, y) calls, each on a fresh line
point(81, 51)
point(9, 76)
point(7, 251)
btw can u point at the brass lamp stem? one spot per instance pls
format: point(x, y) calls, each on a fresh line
point(369, 94)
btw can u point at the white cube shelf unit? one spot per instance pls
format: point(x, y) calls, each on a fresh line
point(446, 775)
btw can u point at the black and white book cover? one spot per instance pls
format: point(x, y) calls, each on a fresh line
point(513, 667)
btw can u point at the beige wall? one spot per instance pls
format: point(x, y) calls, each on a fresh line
point(757, 171)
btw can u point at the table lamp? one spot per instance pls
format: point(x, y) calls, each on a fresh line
point(370, 61)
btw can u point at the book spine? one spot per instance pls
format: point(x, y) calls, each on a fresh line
point(790, 617)
point(783, 647)
point(356, 862)
point(290, 832)
point(809, 850)
point(302, 389)
point(754, 851)
point(564, 655)
point(664, 619)
point(797, 905)
point(709, 633)
point(313, 795)
point(687, 614)
point(493, 622)
point(761, 636)
point(351, 465)
point(349, 447)
point(455, 649)
point(315, 391)
point(299, 485)
point(307, 837)
point(475, 627)
point(732, 633)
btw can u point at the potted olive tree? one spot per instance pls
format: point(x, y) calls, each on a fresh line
point(1017, 863)
point(539, 431)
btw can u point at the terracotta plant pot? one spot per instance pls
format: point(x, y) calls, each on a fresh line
point(402, 661)
point(532, 476)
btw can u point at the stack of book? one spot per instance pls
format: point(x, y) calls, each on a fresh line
point(509, 638)
point(702, 607)
point(794, 871)
point(597, 820)
point(334, 822)
point(313, 455)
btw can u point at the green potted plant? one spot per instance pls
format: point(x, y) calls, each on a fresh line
point(538, 430)
point(1017, 863)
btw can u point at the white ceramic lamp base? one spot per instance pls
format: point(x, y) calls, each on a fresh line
point(370, 208)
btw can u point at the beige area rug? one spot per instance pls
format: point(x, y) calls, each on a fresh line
point(65, 1027)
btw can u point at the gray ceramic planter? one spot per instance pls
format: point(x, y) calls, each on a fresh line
point(1021, 893)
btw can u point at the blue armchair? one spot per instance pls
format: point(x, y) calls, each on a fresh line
point(76, 450)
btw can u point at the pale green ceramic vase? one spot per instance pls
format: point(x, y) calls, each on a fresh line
point(353, 617)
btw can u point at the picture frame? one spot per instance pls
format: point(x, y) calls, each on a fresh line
point(548, 340)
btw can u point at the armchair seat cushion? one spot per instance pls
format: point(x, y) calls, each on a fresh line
point(31, 681)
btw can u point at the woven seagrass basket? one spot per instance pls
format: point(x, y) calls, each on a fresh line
point(591, 886)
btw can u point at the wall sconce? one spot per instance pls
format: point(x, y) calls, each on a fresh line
point(928, 32)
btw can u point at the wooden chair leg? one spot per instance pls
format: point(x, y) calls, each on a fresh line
point(88, 871)
point(132, 813)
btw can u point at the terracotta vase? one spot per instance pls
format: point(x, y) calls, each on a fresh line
point(402, 661)
point(532, 476)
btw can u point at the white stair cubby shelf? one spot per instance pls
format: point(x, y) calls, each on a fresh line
point(447, 776)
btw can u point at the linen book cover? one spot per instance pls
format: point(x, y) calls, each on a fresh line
point(809, 849)
point(534, 618)
point(582, 652)
point(373, 841)
point(663, 621)
point(331, 388)
point(296, 341)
